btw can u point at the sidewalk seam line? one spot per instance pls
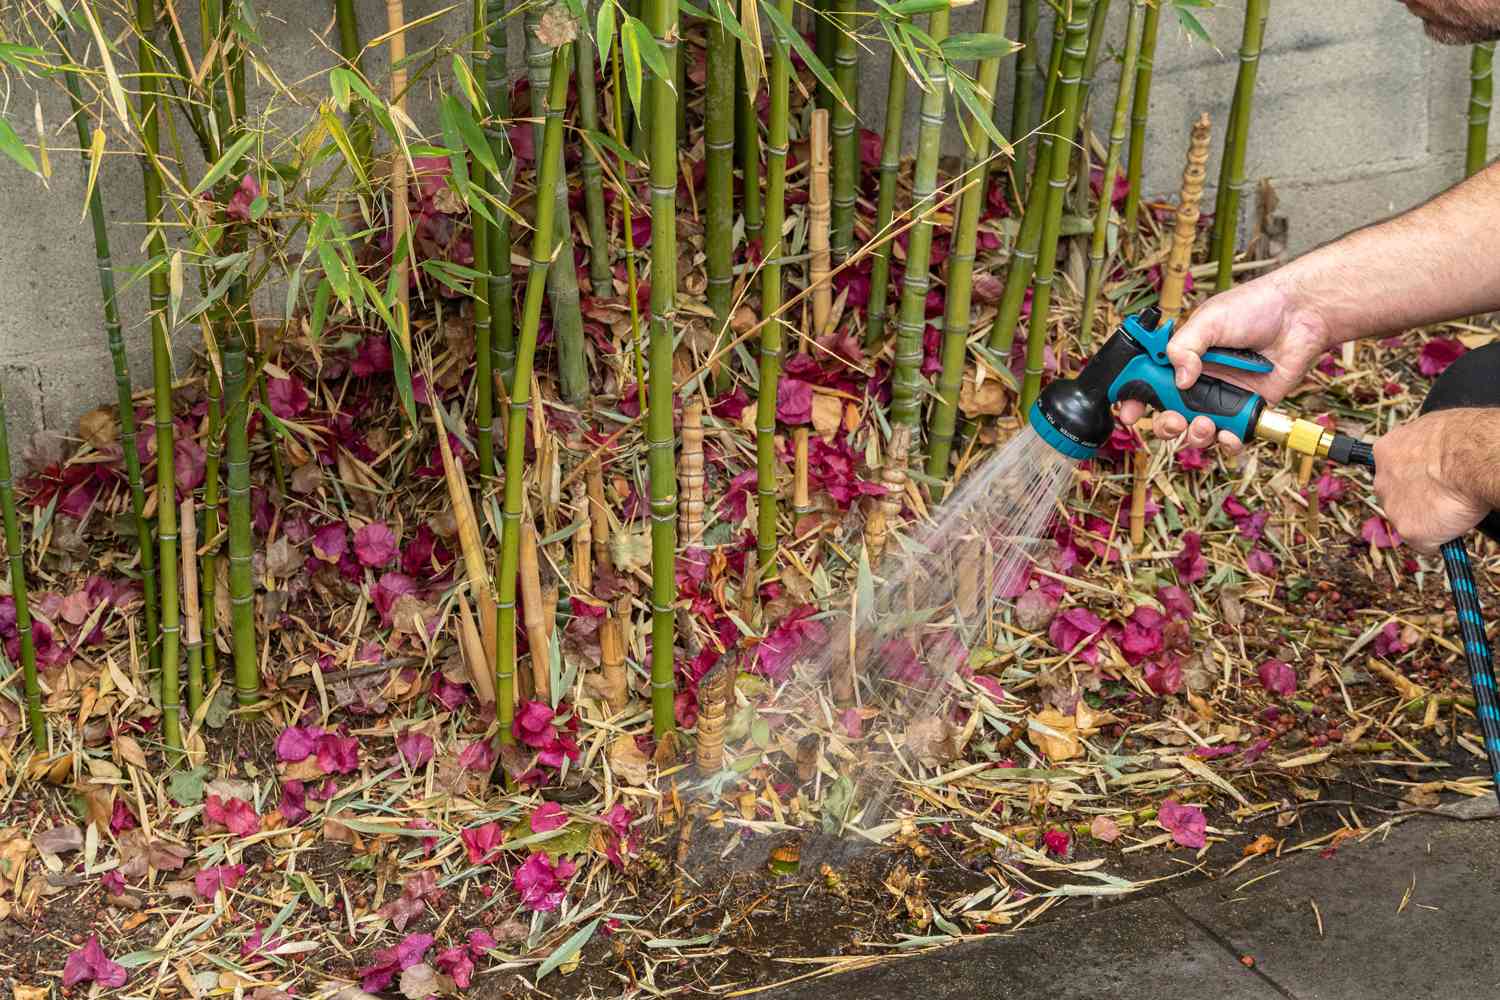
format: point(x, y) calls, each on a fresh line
point(1224, 943)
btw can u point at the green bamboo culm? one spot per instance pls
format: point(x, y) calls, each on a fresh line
point(237, 506)
point(1117, 132)
point(1023, 113)
point(825, 27)
point(501, 284)
point(124, 398)
point(747, 150)
point(772, 334)
point(718, 143)
point(843, 132)
point(353, 54)
point(483, 232)
point(549, 170)
point(600, 278)
point(17, 556)
point(661, 19)
point(208, 517)
point(956, 312)
point(1097, 22)
point(151, 111)
point(562, 280)
point(906, 374)
point(885, 205)
point(1481, 92)
point(1075, 43)
point(1140, 112)
point(1232, 170)
point(1054, 69)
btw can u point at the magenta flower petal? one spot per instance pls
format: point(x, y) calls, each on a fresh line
point(547, 817)
point(375, 545)
point(1277, 677)
point(89, 964)
point(1187, 824)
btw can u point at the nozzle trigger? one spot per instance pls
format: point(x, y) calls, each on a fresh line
point(1238, 359)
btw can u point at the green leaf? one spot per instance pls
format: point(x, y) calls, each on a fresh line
point(319, 310)
point(963, 88)
point(600, 139)
point(784, 32)
point(187, 786)
point(402, 365)
point(1189, 20)
point(913, 8)
point(473, 135)
point(646, 45)
point(338, 83)
point(12, 146)
point(974, 45)
point(630, 49)
point(604, 30)
point(224, 163)
point(568, 949)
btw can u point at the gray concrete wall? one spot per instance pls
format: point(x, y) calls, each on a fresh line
point(1357, 116)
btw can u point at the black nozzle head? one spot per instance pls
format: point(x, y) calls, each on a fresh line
point(1074, 415)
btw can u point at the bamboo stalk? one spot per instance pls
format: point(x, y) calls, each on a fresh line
point(662, 20)
point(718, 144)
point(801, 496)
point(770, 301)
point(612, 659)
point(161, 354)
point(501, 294)
point(1095, 281)
point(632, 290)
point(600, 277)
point(1023, 114)
point(845, 139)
point(352, 51)
point(1054, 70)
point(1185, 231)
point(1481, 92)
point(583, 540)
point(1023, 252)
point(1232, 172)
point(483, 232)
point(1140, 465)
point(188, 518)
point(1097, 22)
point(1074, 45)
point(535, 615)
point(124, 398)
point(548, 171)
point(747, 150)
point(957, 318)
point(818, 217)
point(890, 166)
point(907, 383)
point(241, 541)
point(471, 546)
point(211, 526)
point(16, 554)
point(714, 691)
point(692, 476)
point(1139, 114)
point(893, 477)
point(562, 280)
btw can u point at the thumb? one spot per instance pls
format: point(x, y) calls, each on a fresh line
point(1186, 348)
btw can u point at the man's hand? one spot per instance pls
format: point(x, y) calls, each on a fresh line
point(1435, 477)
point(1264, 315)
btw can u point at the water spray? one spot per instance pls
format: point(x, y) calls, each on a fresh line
point(1074, 416)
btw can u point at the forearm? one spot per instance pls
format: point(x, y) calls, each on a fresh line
point(1436, 262)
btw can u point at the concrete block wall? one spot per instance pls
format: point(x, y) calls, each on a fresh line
point(1358, 115)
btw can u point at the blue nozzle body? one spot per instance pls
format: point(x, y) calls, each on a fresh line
point(1074, 416)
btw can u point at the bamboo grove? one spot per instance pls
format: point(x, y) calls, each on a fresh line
point(633, 139)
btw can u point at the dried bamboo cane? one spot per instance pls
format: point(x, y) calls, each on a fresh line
point(801, 496)
point(893, 478)
point(1142, 463)
point(470, 544)
point(612, 660)
point(1186, 230)
point(583, 540)
point(191, 610)
point(534, 608)
point(690, 473)
point(819, 221)
point(713, 712)
point(395, 23)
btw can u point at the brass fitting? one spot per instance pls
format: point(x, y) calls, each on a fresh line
point(1302, 436)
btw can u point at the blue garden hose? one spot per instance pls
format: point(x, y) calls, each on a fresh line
point(1470, 627)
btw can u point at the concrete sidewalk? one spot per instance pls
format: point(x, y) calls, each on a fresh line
point(1415, 915)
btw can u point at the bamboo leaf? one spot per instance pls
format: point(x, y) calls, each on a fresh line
point(963, 88)
point(12, 146)
point(221, 166)
point(473, 135)
point(646, 45)
point(633, 72)
point(568, 949)
point(785, 32)
point(1189, 20)
point(345, 146)
point(96, 154)
point(914, 8)
point(338, 83)
point(973, 45)
point(319, 310)
point(600, 139)
point(116, 89)
point(174, 284)
point(466, 77)
point(753, 49)
point(604, 30)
